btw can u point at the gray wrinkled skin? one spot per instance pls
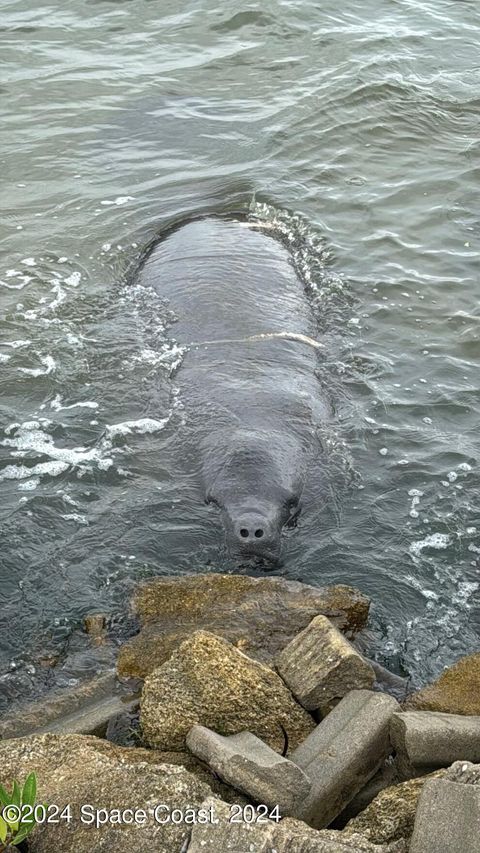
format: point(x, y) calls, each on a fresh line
point(253, 404)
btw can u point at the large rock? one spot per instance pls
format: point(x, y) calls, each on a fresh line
point(319, 665)
point(343, 753)
point(267, 836)
point(247, 763)
point(210, 682)
point(258, 615)
point(447, 818)
point(391, 815)
point(431, 739)
point(456, 691)
point(79, 770)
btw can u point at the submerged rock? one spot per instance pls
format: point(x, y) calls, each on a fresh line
point(210, 682)
point(84, 709)
point(258, 615)
point(80, 770)
point(456, 691)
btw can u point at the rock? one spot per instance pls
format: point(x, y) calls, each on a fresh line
point(457, 691)
point(384, 778)
point(344, 752)
point(447, 819)
point(85, 709)
point(95, 625)
point(431, 739)
point(319, 665)
point(391, 815)
point(266, 836)
point(79, 770)
point(465, 772)
point(258, 615)
point(250, 765)
point(210, 682)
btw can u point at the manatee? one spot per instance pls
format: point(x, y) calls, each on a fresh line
point(253, 404)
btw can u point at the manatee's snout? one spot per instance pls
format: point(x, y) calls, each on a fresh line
point(254, 533)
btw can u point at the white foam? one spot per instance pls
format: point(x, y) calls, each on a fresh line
point(4, 357)
point(439, 541)
point(142, 426)
point(415, 494)
point(48, 363)
point(16, 344)
point(74, 516)
point(56, 404)
point(21, 472)
point(121, 199)
point(24, 280)
point(60, 296)
point(73, 279)
point(29, 485)
point(29, 437)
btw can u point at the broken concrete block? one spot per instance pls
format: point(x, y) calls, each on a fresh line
point(432, 739)
point(447, 819)
point(320, 665)
point(343, 753)
point(247, 763)
point(250, 835)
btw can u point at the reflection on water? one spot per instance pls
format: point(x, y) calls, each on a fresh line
point(119, 118)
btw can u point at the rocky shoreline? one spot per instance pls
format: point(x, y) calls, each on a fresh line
point(259, 728)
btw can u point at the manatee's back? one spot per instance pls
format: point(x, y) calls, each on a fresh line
point(225, 279)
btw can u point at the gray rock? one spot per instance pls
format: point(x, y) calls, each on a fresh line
point(209, 681)
point(384, 778)
point(288, 836)
point(344, 752)
point(431, 739)
point(319, 665)
point(447, 819)
point(465, 772)
point(248, 764)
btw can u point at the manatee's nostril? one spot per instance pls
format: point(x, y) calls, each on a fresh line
point(244, 533)
point(259, 533)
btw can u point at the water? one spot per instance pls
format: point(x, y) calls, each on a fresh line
point(119, 118)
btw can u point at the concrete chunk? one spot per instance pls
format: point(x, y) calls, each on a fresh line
point(432, 739)
point(447, 819)
point(247, 763)
point(344, 752)
point(320, 665)
point(267, 836)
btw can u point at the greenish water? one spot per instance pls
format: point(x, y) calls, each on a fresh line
point(118, 117)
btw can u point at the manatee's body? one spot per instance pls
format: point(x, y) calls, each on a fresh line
point(247, 380)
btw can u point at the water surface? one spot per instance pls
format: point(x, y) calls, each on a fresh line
point(121, 117)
